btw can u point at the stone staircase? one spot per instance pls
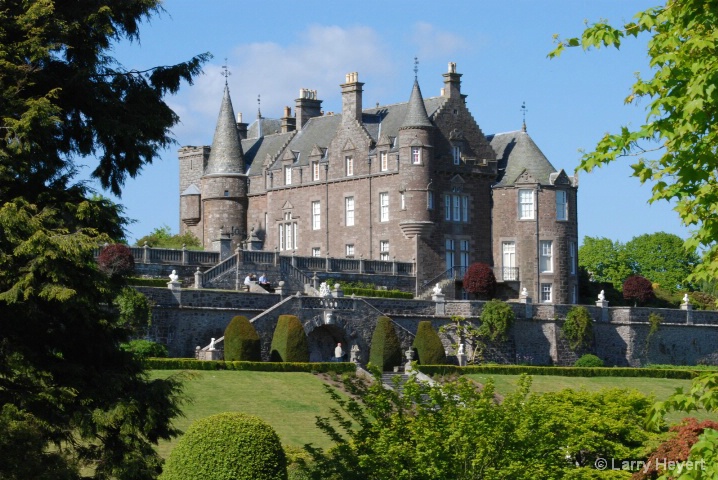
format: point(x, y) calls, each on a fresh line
point(448, 288)
point(388, 379)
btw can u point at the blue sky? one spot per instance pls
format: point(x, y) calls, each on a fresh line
point(274, 48)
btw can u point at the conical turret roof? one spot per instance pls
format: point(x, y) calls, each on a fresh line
point(226, 155)
point(416, 116)
point(516, 152)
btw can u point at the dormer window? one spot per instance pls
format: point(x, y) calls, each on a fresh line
point(288, 175)
point(349, 165)
point(315, 171)
point(383, 161)
point(456, 153)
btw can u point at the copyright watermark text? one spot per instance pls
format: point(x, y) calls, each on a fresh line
point(644, 465)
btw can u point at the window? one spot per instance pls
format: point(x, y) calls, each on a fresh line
point(226, 193)
point(316, 215)
point(450, 251)
point(574, 294)
point(403, 201)
point(546, 292)
point(572, 257)
point(315, 171)
point(349, 211)
point(350, 250)
point(349, 163)
point(384, 207)
point(383, 161)
point(463, 255)
point(281, 236)
point(509, 270)
point(288, 233)
point(415, 155)
point(384, 250)
point(561, 205)
point(316, 252)
point(526, 204)
point(546, 261)
point(456, 153)
point(430, 200)
point(287, 175)
point(457, 207)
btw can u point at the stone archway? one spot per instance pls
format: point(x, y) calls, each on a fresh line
point(322, 341)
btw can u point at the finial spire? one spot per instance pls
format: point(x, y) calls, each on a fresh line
point(225, 71)
point(259, 106)
point(416, 68)
point(523, 112)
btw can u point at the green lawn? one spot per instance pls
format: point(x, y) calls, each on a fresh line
point(289, 402)
point(660, 388)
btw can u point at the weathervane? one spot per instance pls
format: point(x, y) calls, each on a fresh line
point(259, 106)
point(416, 68)
point(225, 71)
point(523, 112)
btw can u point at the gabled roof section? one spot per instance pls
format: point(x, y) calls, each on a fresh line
point(191, 190)
point(226, 155)
point(516, 154)
point(416, 116)
point(258, 149)
point(264, 126)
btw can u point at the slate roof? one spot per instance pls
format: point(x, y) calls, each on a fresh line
point(516, 152)
point(416, 112)
point(226, 154)
point(270, 126)
point(319, 131)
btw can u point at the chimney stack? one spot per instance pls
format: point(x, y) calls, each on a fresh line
point(352, 98)
point(241, 127)
point(288, 122)
point(307, 106)
point(452, 82)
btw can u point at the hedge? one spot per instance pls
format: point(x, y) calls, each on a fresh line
point(427, 345)
point(559, 371)
point(148, 282)
point(385, 350)
point(369, 292)
point(289, 342)
point(192, 364)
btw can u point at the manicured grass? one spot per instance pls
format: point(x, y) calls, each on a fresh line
point(660, 388)
point(289, 402)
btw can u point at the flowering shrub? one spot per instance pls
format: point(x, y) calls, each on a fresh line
point(479, 279)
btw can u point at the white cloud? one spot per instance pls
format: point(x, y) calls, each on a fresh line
point(433, 43)
point(318, 60)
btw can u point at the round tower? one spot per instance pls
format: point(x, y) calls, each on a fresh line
point(224, 183)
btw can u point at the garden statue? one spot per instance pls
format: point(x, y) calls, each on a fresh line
point(437, 289)
point(601, 296)
point(174, 276)
point(324, 290)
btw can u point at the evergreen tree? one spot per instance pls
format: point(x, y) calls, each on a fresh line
point(65, 384)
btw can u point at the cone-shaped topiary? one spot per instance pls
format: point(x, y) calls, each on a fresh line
point(385, 351)
point(241, 341)
point(228, 445)
point(289, 342)
point(428, 346)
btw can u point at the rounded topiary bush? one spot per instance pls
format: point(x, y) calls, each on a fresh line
point(497, 317)
point(289, 342)
point(241, 341)
point(589, 360)
point(385, 350)
point(578, 328)
point(427, 345)
point(145, 348)
point(116, 260)
point(480, 280)
point(227, 446)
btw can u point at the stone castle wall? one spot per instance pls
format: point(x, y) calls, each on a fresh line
point(189, 318)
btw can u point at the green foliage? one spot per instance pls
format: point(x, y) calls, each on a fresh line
point(116, 260)
point(147, 282)
point(241, 341)
point(385, 350)
point(145, 348)
point(497, 317)
point(289, 342)
point(702, 300)
point(67, 103)
point(588, 360)
point(662, 258)
point(605, 260)
point(135, 310)
point(479, 279)
point(467, 333)
point(367, 292)
point(682, 115)
point(578, 328)
point(675, 372)
point(428, 346)
point(162, 237)
point(228, 445)
point(192, 364)
point(457, 431)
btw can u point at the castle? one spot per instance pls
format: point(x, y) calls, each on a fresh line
point(413, 182)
